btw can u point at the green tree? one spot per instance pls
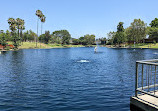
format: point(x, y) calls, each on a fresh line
point(29, 36)
point(62, 36)
point(45, 37)
point(137, 30)
point(89, 39)
point(129, 34)
point(75, 41)
point(120, 27)
point(81, 40)
point(8, 36)
point(111, 37)
point(154, 23)
point(13, 27)
point(3, 40)
point(120, 35)
point(20, 26)
point(56, 38)
point(152, 31)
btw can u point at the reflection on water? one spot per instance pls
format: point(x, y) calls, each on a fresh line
point(51, 79)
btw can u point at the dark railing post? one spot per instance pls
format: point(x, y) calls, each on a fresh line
point(136, 80)
point(155, 80)
point(142, 75)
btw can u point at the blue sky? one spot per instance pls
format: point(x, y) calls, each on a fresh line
point(79, 17)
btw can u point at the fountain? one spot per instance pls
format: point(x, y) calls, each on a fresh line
point(83, 61)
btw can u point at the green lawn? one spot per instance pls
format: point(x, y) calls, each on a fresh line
point(32, 45)
point(149, 45)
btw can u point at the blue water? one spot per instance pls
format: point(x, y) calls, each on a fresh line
point(54, 80)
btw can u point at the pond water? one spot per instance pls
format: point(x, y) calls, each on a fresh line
point(69, 79)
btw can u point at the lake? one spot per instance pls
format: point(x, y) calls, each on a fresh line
point(69, 79)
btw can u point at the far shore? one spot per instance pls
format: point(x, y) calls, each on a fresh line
point(32, 45)
point(136, 46)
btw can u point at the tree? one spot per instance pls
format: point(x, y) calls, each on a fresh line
point(81, 40)
point(13, 27)
point(120, 36)
point(154, 23)
point(29, 36)
point(89, 39)
point(120, 27)
point(111, 36)
point(43, 19)
point(102, 40)
point(47, 37)
point(137, 30)
point(152, 31)
point(39, 14)
point(20, 26)
point(62, 36)
point(3, 40)
point(8, 36)
point(129, 34)
point(75, 41)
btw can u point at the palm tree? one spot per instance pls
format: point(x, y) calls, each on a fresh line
point(13, 25)
point(21, 27)
point(43, 19)
point(18, 23)
point(39, 15)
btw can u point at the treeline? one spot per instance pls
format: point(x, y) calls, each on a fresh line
point(85, 40)
point(137, 32)
point(17, 36)
point(56, 37)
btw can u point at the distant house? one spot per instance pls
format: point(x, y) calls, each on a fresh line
point(10, 46)
point(1, 47)
point(150, 40)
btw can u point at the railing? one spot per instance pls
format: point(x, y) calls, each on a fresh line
point(147, 77)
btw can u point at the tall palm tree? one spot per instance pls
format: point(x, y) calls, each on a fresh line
point(43, 19)
point(39, 15)
point(13, 25)
point(22, 27)
point(18, 23)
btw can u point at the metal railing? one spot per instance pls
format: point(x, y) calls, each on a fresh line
point(146, 80)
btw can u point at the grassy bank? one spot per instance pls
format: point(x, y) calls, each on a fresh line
point(32, 45)
point(149, 46)
point(140, 45)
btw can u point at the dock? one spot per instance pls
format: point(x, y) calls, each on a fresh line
point(146, 86)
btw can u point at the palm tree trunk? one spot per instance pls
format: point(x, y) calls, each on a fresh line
point(37, 32)
point(41, 34)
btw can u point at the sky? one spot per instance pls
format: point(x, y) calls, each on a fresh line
point(79, 17)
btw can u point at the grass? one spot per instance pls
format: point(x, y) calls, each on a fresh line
point(32, 45)
point(145, 45)
point(63, 46)
point(150, 46)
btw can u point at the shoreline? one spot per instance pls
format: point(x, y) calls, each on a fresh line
point(79, 47)
point(41, 48)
